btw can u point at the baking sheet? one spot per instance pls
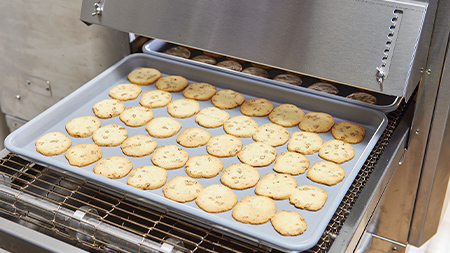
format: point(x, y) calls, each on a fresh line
point(385, 103)
point(80, 103)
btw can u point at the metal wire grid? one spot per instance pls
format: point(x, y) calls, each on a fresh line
point(116, 224)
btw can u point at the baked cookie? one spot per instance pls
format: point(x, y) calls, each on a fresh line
point(199, 91)
point(108, 108)
point(240, 126)
point(179, 51)
point(289, 223)
point(289, 78)
point(138, 145)
point(144, 76)
point(257, 154)
point(230, 64)
point(205, 166)
point(316, 122)
point(240, 176)
point(182, 189)
point(337, 151)
point(54, 143)
point(256, 71)
point(83, 154)
point(276, 185)
point(308, 197)
point(256, 107)
point(292, 163)
point(363, 97)
point(136, 116)
point(324, 87)
point(305, 143)
point(83, 126)
point(147, 177)
point(171, 83)
point(170, 157)
point(272, 134)
point(163, 127)
point(254, 209)
point(110, 135)
point(286, 115)
point(193, 137)
point(205, 59)
point(223, 145)
point(113, 167)
point(216, 198)
point(227, 99)
point(125, 91)
point(183, 108)
point(155, 98)
point(326, 172)
point(348, 132)
point(211, 117)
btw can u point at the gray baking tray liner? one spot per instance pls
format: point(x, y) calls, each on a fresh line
point(385, 103)
point(80, 102)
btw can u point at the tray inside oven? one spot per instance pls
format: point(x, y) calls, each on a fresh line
point(80, 103)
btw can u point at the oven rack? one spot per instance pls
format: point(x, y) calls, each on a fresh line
point(82, 214)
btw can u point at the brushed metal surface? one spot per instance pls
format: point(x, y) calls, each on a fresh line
point(343, 40)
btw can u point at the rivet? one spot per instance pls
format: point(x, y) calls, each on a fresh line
point(428, 71)
point(394, 249)
point(417, 131)
point(18, 96)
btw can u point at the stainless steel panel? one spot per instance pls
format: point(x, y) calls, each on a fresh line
point(345, 41)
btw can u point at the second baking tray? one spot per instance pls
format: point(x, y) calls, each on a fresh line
point(80, 103)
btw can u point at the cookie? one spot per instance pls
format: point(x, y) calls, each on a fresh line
point(227, 99)
point(163, 127)
point(136, 116)
point(182, 189)
point(289, 223)
point(224, 145)
point(170, 157)
point(155, 98)
point(216, 198)
point(337, 151)
point(240, 126)
point(254, 209)
point(138, 145)
point(363, 97)
point(257, 154)
point(193, 137)
point(348, 132)
point(272, 134)
point(199, 91)
point(211, 117)
point(324, 87)
point(83, 154)
point(125, 91)
point(286, 115)
point(113, 167)
point(289, 78)
point(179, 51)
point(308, 197)
point(144, 76)
point(276, 185)
point(205, 166)
point(292, 163)
point(83, 126)
point(256, 71)
point(230, 64)
point(205, 59)
point(326, 172)
point(54, 143)
point(147, 177)
point(171, 83)
point(108, 108)
point(305, 143)
point(257, 107)
point(183, 108)
point(316, 122)
point(110, 135)
point(240, 176)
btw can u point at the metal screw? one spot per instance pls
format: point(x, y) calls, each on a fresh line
point(417, 131)
point(421, 70)
point(28, 82)
point(428, 71)
point(394, 249)
point(18, 96)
